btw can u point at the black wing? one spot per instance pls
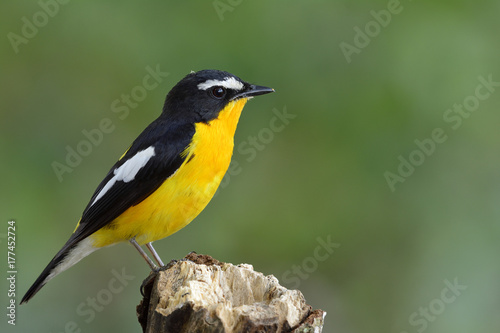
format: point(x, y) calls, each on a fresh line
point(168, 142)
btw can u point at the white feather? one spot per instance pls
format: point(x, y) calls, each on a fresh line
point(83, 249)
point(128, 170)
point(228, 82)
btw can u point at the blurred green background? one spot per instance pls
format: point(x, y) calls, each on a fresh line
point(319, 179)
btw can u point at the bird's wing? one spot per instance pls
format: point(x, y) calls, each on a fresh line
point(150, 160)
point(153, 157)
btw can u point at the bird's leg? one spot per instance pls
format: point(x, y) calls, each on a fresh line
point(144, 255)
point(155, 255)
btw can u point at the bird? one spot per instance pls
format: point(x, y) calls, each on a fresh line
point(168, 174)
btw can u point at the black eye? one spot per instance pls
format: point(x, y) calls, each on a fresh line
point(218, 92)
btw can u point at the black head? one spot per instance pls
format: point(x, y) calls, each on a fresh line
point(200, 96)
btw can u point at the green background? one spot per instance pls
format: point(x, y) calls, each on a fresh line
point(320, 178)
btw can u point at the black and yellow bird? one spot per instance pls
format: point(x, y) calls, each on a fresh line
point(167, 176)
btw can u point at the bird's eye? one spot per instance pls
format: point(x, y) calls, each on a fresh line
point(218, 92)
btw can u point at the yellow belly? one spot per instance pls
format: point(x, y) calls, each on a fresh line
point(186, 193)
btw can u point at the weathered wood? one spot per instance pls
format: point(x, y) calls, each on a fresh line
point(202, 294)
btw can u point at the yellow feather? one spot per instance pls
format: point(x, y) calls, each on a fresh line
point(184, 194)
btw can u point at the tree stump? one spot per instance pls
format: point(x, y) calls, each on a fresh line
point(201, 294)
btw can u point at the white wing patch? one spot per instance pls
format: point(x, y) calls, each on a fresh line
point(128, 170)
point(228, 82)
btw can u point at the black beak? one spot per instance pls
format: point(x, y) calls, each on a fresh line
point(253, 90)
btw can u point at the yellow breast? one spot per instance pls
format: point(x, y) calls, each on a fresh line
point(184, 194)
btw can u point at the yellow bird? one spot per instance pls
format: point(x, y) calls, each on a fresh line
point(167, 176)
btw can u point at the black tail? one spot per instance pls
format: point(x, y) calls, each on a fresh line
point(69, 255)
point(42, 279)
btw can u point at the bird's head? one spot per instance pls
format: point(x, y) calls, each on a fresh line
point(200, 96)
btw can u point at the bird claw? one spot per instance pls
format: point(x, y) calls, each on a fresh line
point(148, 282)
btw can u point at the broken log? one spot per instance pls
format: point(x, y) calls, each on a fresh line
point(201, 294)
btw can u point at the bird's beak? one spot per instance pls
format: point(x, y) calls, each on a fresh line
point(252, 91)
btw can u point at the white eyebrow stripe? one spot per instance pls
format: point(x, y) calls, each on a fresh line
point(228, 82)
point(128, 170)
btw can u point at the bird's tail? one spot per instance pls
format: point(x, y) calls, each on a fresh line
point(71, 253)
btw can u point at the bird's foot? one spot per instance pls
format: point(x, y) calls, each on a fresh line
point(147, 284)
